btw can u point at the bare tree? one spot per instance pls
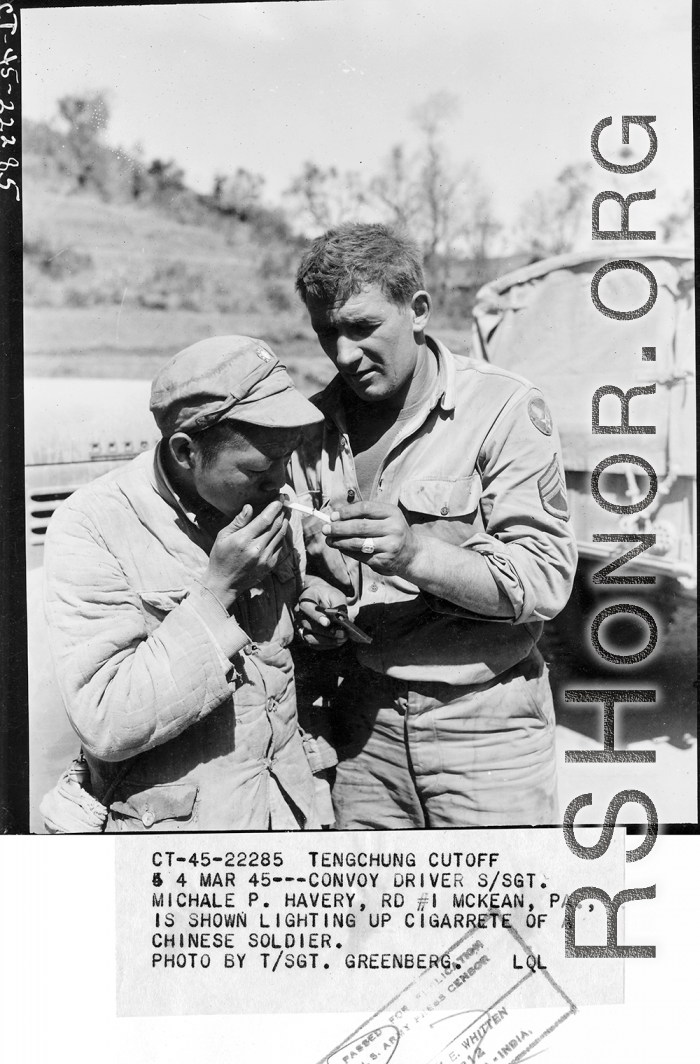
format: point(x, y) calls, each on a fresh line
point(89, 114)
point(483, 230)
point(444, 206)
point(86, 118)
point(558, 219)
point(552, 220)
point(394, 188)
point(238, 194)
point(450, 209)
point(167, 180)
point(677, 225)
point(323, 198)
point(437, 182)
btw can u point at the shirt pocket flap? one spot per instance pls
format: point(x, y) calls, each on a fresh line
point(163, 600)
point(448, 498)
point(170, 801)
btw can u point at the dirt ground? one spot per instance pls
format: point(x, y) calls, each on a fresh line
point(134, 344)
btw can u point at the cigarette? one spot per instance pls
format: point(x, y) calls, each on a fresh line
point(286, 501)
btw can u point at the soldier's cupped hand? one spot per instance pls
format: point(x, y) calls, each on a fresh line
point(245, 551)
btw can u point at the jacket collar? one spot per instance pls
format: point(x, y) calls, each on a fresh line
point(204, 517)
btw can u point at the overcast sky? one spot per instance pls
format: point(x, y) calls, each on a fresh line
point(268, 86)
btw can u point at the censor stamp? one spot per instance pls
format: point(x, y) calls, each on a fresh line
point(490, 986)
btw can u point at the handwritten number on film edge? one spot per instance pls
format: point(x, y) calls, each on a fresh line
point(6, 71)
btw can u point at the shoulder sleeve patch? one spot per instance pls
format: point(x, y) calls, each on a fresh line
point(540, 415)
point(552, 488)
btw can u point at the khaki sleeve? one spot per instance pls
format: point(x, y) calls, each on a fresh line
point(528, 540)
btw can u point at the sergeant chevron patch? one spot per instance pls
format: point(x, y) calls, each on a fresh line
point(553, 490)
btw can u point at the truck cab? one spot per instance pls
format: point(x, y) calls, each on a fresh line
point(77, 429)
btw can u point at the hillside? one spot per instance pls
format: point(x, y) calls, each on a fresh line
point(114, 289)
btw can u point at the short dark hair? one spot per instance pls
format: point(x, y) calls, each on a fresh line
point(217, 438)
point(350, 256)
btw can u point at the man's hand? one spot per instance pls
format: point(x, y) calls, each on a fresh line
point(315, 628)
point(395, 544)
point(445, 570)
point(245, 551)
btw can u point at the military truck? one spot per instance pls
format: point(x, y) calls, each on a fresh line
point(76, 429)
point(540, 321)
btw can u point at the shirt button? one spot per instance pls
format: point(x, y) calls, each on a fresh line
point(351, 494)
point(148, 819)
point(444, 511)
point(374, 587)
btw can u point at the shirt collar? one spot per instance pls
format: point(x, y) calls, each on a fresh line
point(444, 392)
